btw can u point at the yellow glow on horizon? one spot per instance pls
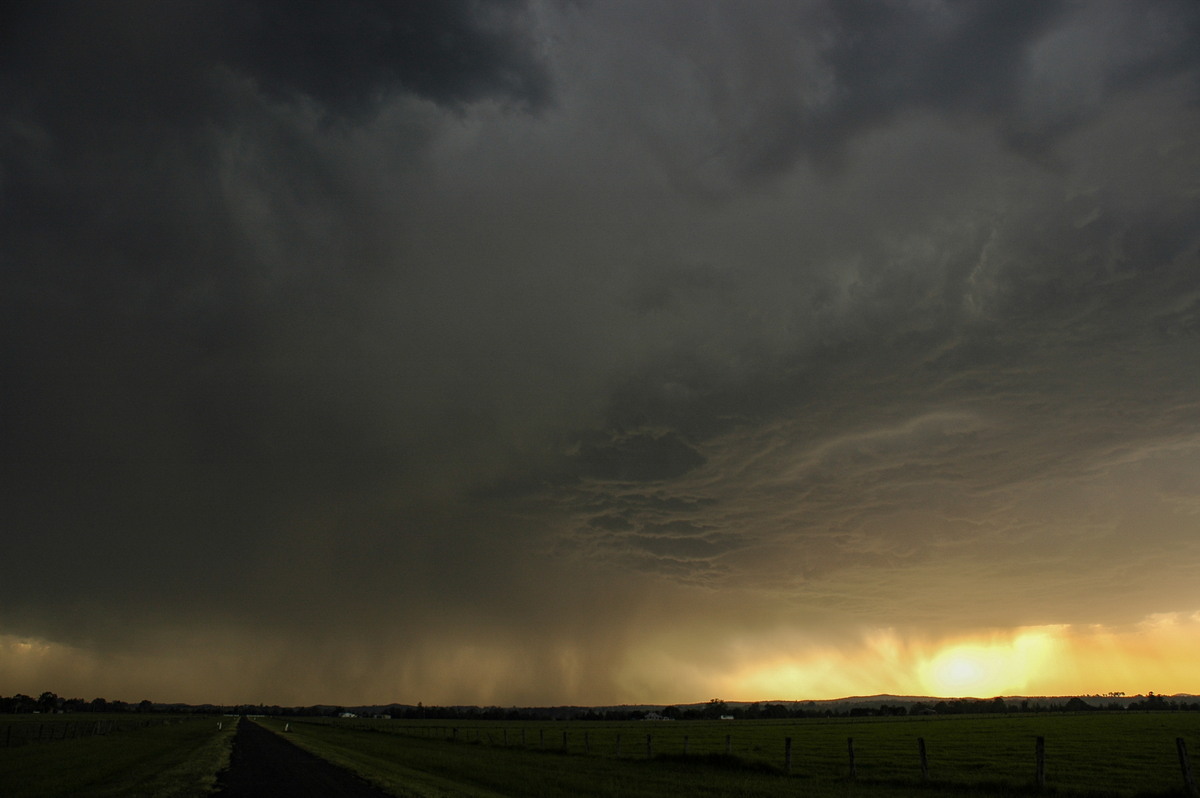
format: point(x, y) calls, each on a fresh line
point(991, 668)
point(1156, 654)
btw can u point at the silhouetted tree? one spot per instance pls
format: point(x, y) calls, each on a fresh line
point(1153, 703)
point(714, 709)
point(47, 702)
point(773, 711)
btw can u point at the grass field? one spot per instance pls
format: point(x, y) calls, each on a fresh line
point(178, 758)
point(1115, 754)
point(1120, 754)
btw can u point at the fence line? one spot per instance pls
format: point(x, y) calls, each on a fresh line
point(25, 732)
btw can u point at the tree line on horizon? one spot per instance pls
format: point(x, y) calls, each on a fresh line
point(49, 703)
point(716, 709)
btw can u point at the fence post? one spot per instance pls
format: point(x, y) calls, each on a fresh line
point(1040, 754)
point(685, 745)
point(728, 744)
point(649, 747)
point(850, 749)
point(618, 749)
point(924, 759)
point(787, 754)
point(1186, 766)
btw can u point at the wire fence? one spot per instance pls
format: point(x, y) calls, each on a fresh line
point(15, 733)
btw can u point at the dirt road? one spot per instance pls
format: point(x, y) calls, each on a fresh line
point(264, 764)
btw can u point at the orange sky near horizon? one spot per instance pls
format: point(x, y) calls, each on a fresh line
point(1155, 655)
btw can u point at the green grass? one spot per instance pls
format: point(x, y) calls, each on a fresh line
point(177, 759)
point(1117, 754)
point(418, 767)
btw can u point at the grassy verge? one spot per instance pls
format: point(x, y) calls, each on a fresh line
point(173, 760)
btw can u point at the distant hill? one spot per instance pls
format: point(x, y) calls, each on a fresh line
point(900, 704)
point(881, 704)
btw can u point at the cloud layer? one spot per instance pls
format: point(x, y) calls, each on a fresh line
point(478, 351)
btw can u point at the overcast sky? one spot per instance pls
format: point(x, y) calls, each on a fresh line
point(598, 352)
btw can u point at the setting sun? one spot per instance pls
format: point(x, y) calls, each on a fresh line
point(969, 670)
point(1046, 660)
point(993, 667)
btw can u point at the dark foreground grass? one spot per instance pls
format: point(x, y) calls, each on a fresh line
point(172, 760)
point(1112, 754)
point(431, 768)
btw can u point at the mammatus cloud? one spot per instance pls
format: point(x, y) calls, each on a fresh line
point(526, 352)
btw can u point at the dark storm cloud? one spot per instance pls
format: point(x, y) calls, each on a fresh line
point(640, 457)
point(133, 266)
point(759, 92)
point(899, 58)
point(971, 340)
point(182, 262)
point(349, 56)
point(317, 312)
point(156, 57)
